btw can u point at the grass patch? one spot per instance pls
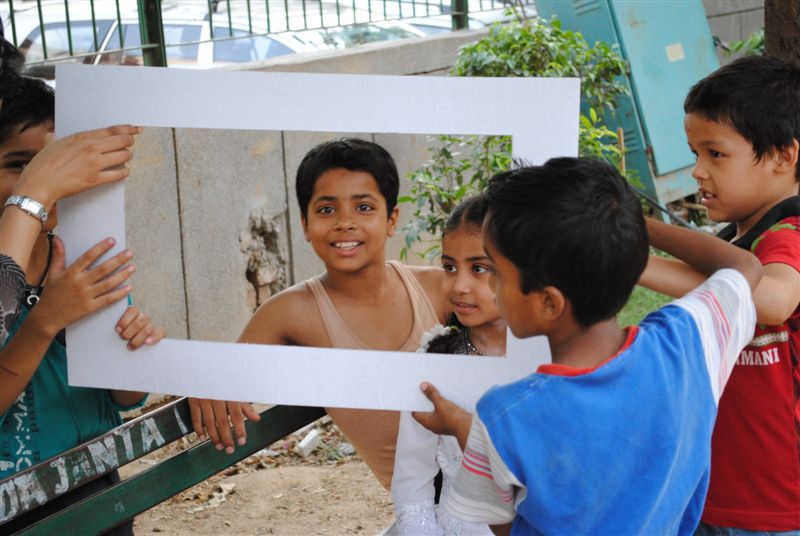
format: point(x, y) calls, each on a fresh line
point(642, 302)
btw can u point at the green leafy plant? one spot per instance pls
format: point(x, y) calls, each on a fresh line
point(753, 45)
point(461, 166)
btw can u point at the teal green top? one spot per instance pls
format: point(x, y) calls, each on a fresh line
point(50, 416)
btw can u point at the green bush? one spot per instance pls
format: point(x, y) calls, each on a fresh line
point(461, 166)
point(753, 45)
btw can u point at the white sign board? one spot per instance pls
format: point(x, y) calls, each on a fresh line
point(541, 114)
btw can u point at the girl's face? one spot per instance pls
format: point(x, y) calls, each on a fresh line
point(467, 281)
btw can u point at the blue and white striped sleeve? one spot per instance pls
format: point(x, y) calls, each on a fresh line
point(723, 311)
point(485, 490)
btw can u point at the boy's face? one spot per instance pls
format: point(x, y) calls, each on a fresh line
point(734, 186)
point(517, 308)
point(15, 153)
point(347, 223)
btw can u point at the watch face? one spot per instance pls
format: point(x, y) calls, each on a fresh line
point(34, 208)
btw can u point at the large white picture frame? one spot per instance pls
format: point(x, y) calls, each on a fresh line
point(541, 114)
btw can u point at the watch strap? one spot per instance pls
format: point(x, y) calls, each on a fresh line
point(26, 204)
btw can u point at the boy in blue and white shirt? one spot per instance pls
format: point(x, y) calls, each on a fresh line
point(614, 436)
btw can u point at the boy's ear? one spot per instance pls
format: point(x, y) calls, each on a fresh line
point(392, 226)
point(553, 303)
point(786, 158)
point(304, 223)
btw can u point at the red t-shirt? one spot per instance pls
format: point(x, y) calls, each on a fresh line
point(755, 460)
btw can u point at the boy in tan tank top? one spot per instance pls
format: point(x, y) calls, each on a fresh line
point(347, 191)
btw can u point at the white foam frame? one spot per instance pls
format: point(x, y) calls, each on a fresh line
point(541, 114)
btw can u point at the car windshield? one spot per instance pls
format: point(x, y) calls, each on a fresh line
point(247, 48)
point(173, 33)
point(357, 34)
point(56, 40)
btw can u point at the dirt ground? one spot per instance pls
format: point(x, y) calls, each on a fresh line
point(276, 491)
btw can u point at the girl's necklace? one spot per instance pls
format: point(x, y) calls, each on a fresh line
point(471, 349)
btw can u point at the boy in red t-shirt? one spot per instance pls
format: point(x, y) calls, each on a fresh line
point(743, 124)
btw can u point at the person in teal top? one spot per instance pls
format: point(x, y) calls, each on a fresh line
point(40, 414)
point(50, 416)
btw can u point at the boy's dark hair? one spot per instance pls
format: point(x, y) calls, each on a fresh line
point(469, 212)
point(30, 103)
point(574, 224)
point(759, 97)
point(11, 60)
point(352, 154)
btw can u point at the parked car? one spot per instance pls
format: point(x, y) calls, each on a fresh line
point(477, 19)
point(187, 34)
point(357, 34)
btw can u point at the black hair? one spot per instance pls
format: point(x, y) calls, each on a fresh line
point(470, 212)
point(574, 224)
point(10, 62)
point(451, 342)
point(352, 154)
point(759, 97)
point(30, 103)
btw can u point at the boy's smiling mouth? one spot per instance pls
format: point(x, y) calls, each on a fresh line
point(347, 245)
point(706, 196)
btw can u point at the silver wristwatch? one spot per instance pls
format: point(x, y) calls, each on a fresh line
point(32, 207)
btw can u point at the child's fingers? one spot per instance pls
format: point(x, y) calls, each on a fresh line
point(109, 297)
point(113, 143)
point(223, 427)
point(113, 174)
point(210, 423)
point(251, 413)
point(196, 412)
point(113, 160)
point(126, 318)
point(237, 419)
point(138, 340)
point(136, 325)
point(99, 272)
point(123, 129)
point(431, 392)
point(426, 419)
point(59, 257)
point(112, 282)
point(92, 254)
point(156, 336)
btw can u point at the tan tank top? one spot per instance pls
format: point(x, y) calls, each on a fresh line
point(373, 433)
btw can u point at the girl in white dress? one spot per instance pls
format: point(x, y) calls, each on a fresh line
point(474, 328)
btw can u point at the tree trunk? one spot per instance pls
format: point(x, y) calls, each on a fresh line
point(782, 29)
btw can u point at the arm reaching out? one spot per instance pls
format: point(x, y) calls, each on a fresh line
point(776, 296)
point(705, 253)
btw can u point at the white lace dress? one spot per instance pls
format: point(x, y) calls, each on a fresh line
point(419, 456)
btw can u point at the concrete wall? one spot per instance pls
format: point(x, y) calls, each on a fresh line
point(212, 215)
point(733, 20)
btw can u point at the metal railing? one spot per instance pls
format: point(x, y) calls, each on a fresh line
point(201, 33)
